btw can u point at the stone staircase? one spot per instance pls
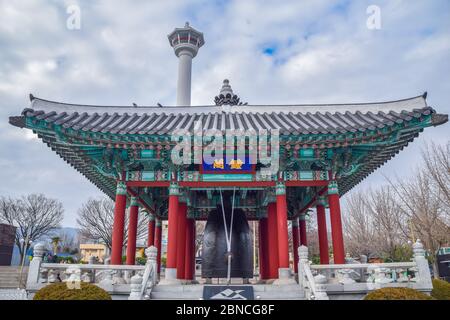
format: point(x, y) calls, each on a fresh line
point(195, 292)
point(9, 276)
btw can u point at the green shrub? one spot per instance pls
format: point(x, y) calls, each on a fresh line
point(397, 294)
point(315, 259)
point(441, 290)
point(61, 291)
point(68, 259)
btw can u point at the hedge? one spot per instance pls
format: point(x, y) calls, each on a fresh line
point(62, 291)
point(441, 290)
point(397, 294)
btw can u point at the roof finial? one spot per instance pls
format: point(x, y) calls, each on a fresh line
point(226, 88)
point(186, 25)
point(226, 96)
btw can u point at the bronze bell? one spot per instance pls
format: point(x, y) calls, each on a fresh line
point(215, 253)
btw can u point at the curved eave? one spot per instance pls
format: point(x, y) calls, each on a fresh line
point(289, 120)
point(320, 123)
point(408, 104)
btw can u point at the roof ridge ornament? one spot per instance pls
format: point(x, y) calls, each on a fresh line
point(227, 97)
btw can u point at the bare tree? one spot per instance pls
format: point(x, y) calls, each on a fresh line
point(96, 219)
point(388, 224)
point(358, 225)
point(67, 242)
point(424, 212)
point(312, 234)
point(437, 164)
point(417, 207)
point(34, 216)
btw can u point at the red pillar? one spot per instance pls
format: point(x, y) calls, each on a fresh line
point(119, 222)
point(158, 240)
point(194, 247)
point(151, 230)
point(181, 240)
point(322, 229)
point(189, 250)
point(283, 239)
point(132, 231)
point(263, 250)
point(336, 223)
point(302, 230)
point(272, 237)
point(295, 242)
point(171, 264)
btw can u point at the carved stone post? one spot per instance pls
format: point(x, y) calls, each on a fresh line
point(423, 270)
point(321, 287)
point(302, 260)
point(43, 275)
point(150, 271)
point(107, 281)
point(86, 277)
point(152, 253)
point(135, 287)
point(51, 276)
point(74, 279)
point(35, 264)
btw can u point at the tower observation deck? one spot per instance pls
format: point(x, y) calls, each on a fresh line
point(185, 42)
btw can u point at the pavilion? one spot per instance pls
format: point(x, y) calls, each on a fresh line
point(324, 151)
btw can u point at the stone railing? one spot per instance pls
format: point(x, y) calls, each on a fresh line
point(115, 279)
point(313, 286)
point(320, 281)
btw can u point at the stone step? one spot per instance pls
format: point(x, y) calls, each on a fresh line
point(179, 288)
point(9, 276)
point(195, 292)
point(5, 279)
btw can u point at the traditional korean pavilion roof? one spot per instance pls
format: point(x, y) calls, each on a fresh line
point(289, 119)
point(375, 132)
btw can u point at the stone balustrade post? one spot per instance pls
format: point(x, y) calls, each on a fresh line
point(35, 264)
point(423, 269)
point(135, 287)
point(86, 277)
point(74, 279)
point(150, 271)
point(302, 260)
point(51, 276)
point(152, 253)
point(321, 287)
point(107, 281)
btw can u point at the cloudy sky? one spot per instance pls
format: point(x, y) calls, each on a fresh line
point(277, 52)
